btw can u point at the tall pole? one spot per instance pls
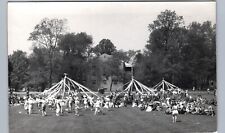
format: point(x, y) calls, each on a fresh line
point(64, 86)
point(132, 77)
point(132, 72)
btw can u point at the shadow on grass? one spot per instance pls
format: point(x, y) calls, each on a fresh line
point(179, 121)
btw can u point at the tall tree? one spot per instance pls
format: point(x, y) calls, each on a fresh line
point(167, 37)
point(200, 54)
point(164, 30)
point(19, 64)
point(39, 61)
point(176, 52)
point(105, 46)
point(46, 34)
point(164, 26)
point(75, 48)
point(79, 44)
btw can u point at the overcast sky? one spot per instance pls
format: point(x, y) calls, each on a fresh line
point(124, 23)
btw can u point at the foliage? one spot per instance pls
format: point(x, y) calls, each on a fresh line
point(18, 66)
point(200, 53)
point(39, 68)
point(75, 48)
point(46, 34)
point(105, 46)
point(184, 56)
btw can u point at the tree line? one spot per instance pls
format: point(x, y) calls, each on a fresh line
point(182, 55)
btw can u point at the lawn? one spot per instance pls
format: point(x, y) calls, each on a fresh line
point(121, 120)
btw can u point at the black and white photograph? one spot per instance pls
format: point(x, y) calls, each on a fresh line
point(112, 67)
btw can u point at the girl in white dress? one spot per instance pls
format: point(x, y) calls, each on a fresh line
point(97, 106)
point(174, 112)
point(76, 106)
point(58, 107)
point(85, 102)
point(30, 105)
point(26, 105)
point(70, 103)
point(91, 101)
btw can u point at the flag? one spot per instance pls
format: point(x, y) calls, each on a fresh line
point(133, 60)
point(128, 66)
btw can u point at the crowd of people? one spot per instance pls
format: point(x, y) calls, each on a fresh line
point(180, 104)
point(169, 102)
point(15, 99)
point(72, 103)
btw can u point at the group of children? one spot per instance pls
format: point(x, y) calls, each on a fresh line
point(174, 104)
point(146, 102)
point(73, 103)
point(29, 105)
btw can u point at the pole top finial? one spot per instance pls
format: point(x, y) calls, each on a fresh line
point(65, 74)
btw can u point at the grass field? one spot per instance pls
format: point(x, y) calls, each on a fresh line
point(121, 120)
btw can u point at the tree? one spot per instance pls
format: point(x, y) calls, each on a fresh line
point(75, 48)
point(38, 68)
point(200, 54)
point(121, 55)
point(105, 46)
point(46, 34)
point(164, 30)
point(167, 37)
point(19, 64)
point(79, 44)
point(167, 20)
point(176, 52)
point(10, 69)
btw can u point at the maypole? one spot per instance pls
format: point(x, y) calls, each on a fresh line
point(134, 84)
point(64, 85)
point(132, 62)
point(132, 80)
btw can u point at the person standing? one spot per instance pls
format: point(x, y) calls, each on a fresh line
point(58, 107)
point(208, 90)
point(97, 106)
point(30, 105)
point(174, 112)
point(26, 105)
point(43, 108)
point(85, 99)
point(91, 102)
point(76, 105)
point(193, 88)
point(70, 102)
point(136, 99)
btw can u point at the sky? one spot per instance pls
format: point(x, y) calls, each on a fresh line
point(124, 23)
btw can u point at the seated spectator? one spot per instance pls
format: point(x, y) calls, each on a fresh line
point(168, 110)
point(149, 108)
point(210, 111)
point(158, 108)
point(182, 110)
